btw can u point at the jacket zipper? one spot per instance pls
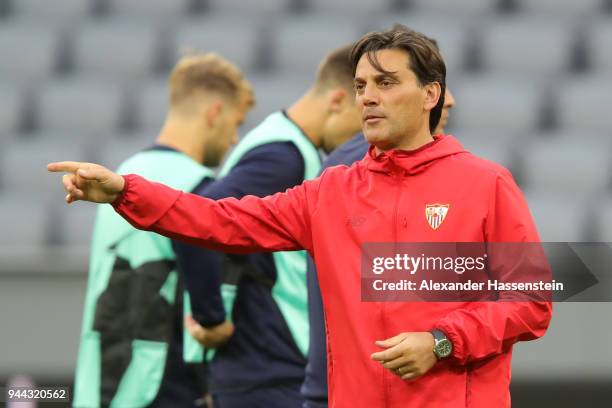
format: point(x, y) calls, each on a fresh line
point(468, 388)
point(395, 227)
point(395, 207)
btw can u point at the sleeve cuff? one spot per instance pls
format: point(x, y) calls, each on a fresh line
point(458, 354)
point(121, 197)
point(142, 203)
point(208, 321)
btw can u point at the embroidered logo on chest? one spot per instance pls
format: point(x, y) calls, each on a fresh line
point(436, 214)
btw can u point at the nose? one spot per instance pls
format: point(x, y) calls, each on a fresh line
point(369, 95)
point(449, 99)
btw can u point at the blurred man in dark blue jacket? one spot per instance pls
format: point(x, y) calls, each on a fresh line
point(265, 295)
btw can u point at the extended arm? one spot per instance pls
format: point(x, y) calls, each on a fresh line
point(252, 224)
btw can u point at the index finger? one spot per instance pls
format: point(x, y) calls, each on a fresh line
point(389, 354)
point(65, 166)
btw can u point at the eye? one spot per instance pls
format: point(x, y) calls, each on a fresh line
point(359, 86)
point(385, 83)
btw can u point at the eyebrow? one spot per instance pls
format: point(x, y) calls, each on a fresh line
point(389, 75)
point(379, 77)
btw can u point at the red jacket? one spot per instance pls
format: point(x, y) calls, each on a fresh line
point(379, 199)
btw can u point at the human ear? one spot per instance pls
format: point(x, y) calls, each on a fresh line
point(432, 95)
point(213, 112)
point(336, 100)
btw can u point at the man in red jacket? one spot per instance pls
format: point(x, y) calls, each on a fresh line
point(381, 354)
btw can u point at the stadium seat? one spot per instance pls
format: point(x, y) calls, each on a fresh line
point(24, 164)
point(55, 9)
point(452, 35)
point(351, 7)
point(599, 38)
point(158, 9)
point(29, 50)
point(151, 104)
point(240, 45)
point(117, 48)
point(274, 92)
point(559, 217)
point(112, 154)
point(497, 102)
point(604, 220)
point(496, 152)
point(583, 102)
point(302, 42)
point(250, 8)
point(492, 145)
point(85, 140)
point(586, 136)
point(80, 105)
point(457, 6)
point(527, 45)
point(18, 233)
point(565, 7)
point(76, 224)
point(477, 136)
point(12, 106)
point(570, 167)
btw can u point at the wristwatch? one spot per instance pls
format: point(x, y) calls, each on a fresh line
point(443, 346)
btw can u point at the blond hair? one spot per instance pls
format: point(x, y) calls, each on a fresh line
point(198, 76)
point(335, 70)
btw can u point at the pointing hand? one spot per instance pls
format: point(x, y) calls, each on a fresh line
point(88, 182)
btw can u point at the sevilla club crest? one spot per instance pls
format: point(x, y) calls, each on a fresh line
point(435, 214)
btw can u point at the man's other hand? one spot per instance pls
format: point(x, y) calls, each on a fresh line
point(210, 337)
point(407, 355)
point(88, 181)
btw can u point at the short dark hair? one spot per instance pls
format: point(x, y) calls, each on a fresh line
point(336, 70)
point(425, 58)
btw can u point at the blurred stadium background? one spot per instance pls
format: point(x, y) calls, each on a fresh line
point(86, 80)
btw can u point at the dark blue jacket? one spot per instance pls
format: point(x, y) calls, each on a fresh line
point(262, 351)
point(314, 388)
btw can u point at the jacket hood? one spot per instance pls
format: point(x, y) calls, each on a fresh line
point(412, 162)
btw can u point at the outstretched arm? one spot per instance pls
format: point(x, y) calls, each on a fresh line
point(275, 223)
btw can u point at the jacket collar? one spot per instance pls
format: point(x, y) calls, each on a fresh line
point(411, 162)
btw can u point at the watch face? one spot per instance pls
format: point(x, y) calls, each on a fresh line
point(444, 348)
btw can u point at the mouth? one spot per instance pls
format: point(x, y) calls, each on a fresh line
point(372, 119)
